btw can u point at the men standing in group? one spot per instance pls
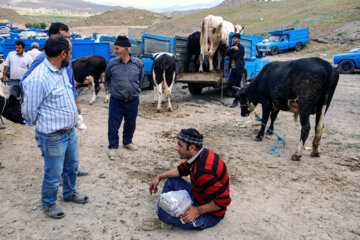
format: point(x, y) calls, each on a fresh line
point(49, 104)
point(63, 29)
point(236, 54)
point(123, 76)
point(34, 52)
point(18, 62)
point(209, 188)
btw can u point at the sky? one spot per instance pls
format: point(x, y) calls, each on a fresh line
point(155, 4)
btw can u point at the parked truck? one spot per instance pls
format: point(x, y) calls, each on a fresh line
point(253, 65)
point(81, 48)
point(284, 38)
point(348, 62)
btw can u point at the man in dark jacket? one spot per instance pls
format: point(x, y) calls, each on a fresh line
point(236, 54)
point(123, 75)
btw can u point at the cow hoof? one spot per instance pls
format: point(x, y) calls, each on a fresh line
point(169, 109)
point(315, 154)
point(258, 139)
point(106, 101)
point(295, 157)
point(158, 110)
point(268, 132)
point(91, 103)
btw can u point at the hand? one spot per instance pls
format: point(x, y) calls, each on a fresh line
point(191, 214)
point(235, 48)
point(154, 184)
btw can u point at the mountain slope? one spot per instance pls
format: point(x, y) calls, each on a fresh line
point(13, 17)
point(69, 5)
point(125, 16)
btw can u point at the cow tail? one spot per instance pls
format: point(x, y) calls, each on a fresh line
point(333, 81)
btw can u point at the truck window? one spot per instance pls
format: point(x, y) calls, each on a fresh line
point(274, 38)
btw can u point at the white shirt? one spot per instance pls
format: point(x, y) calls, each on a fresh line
point(34, 52)
point(18, 64)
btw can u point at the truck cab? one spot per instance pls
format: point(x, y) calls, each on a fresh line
point(348, 62)
point(283, 38)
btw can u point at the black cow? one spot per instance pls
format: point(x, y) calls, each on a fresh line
point(90, 70)
point(193, 47)
point(164, 75)
point(304, 86)
point(10, 108)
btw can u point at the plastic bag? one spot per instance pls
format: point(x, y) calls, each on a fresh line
point(80, 124)
point(175, 203)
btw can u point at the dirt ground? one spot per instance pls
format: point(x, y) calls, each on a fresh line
point(272, 197)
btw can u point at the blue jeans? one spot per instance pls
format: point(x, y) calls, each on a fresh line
point(61, 156)
point(15, 89)
point(202, 222)
point(117, 111)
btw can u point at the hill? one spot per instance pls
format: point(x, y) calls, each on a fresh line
point(67, 5)
point(13, 17)
point(330, 21)
point(125, 16)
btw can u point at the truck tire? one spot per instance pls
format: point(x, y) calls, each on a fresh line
point(274, 51)
point(298, 46)
point(194, 90)
point(346, 66)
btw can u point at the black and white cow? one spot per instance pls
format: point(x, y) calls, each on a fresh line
point(164, 72)
point(10, 107)
point(304, 86)
point(193, 47)
point(90, 70)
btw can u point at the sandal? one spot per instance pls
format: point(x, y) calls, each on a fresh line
point(77, 198)
point(54, 212)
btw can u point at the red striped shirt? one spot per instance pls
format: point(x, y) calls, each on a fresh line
point(209, 180)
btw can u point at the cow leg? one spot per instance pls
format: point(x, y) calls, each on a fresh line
point(273, 117)
point(219, 57)
point(212, 51)
point(305, 129)
point(319, 125)
point(107, 97)
point(265, 117)
point(93, 98)
point(202, 55)
point(169, 92)
point(159, 94)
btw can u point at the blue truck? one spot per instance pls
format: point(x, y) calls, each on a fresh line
point(253, 65)
point(284, 38)
point(81, 48)
point(348, 62)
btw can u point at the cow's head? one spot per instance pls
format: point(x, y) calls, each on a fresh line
point(239, 29)
point(245, 105)
point(11, 109)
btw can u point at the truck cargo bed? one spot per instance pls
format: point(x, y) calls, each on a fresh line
point(200, 78)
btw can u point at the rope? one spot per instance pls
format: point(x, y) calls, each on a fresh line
point(276, 143)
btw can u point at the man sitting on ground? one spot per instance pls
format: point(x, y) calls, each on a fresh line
point(209, 188)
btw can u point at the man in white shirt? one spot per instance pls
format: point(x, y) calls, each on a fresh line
point(34, 52)
point(18, 62)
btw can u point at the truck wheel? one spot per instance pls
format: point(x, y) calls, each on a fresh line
point(346, 66)
point(194, 90)
point(274, 51)
point(298, 46)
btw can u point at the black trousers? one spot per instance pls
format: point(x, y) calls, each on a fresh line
point(235, 79)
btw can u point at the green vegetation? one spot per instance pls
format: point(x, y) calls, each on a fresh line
point(355, 136)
